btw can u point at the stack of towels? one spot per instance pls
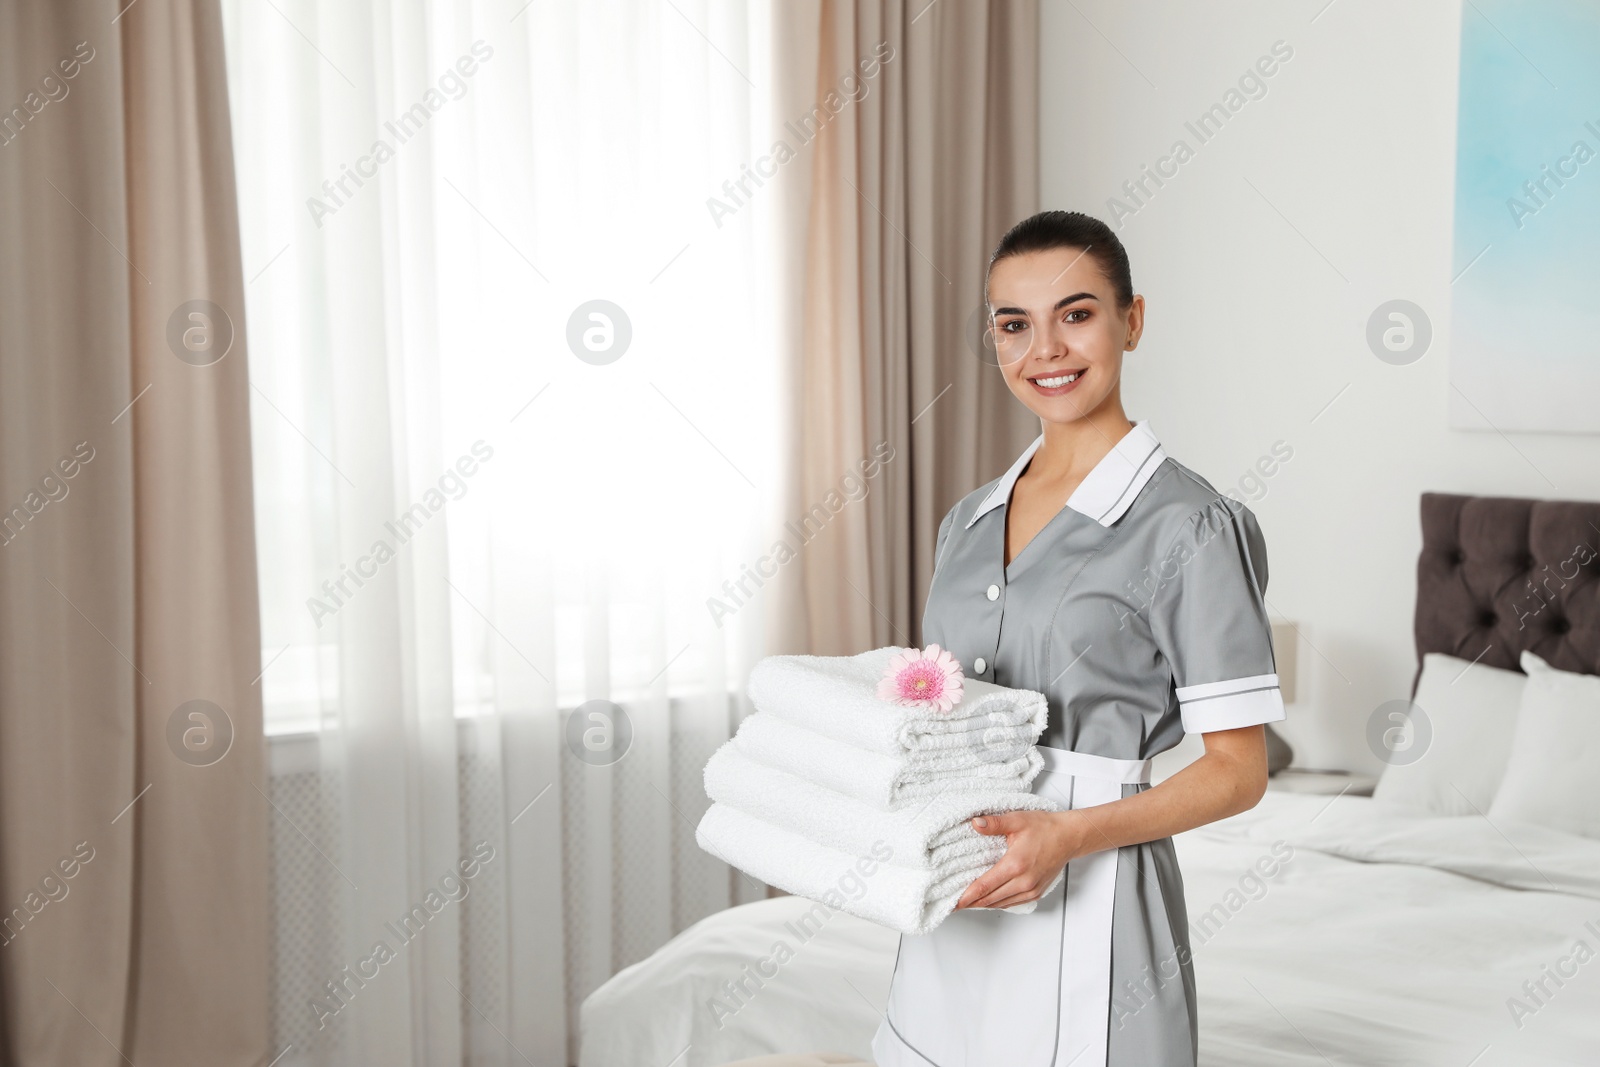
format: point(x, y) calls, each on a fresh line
point(834, 794)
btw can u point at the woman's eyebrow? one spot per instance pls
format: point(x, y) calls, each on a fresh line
point(1063, 302)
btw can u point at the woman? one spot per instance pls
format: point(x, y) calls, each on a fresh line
point(1136, 608)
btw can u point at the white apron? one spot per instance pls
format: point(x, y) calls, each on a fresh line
point(987, 988)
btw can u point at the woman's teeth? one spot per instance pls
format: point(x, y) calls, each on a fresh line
point(1052, 383)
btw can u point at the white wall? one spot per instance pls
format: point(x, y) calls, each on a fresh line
point(1252, 330)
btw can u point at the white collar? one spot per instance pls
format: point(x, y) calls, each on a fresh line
point(1106, 491)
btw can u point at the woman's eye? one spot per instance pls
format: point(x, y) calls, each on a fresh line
point(1005, 327)
point(1077, 311)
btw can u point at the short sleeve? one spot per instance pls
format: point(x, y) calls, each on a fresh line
point(1209, 619)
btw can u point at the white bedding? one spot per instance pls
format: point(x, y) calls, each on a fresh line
point(825, 998)
point(1385, 937)
point(1392, 938)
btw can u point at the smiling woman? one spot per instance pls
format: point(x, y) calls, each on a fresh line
point(1049, 595)
point(1048, 340)
point(1063, 315)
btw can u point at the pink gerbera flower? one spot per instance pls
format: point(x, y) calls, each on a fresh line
point(929, 678)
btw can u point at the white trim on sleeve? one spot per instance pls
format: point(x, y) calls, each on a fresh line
point(1230, 704)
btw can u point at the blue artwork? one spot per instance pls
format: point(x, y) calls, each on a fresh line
point(1525, 319)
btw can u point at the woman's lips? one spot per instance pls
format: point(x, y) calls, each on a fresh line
point(1061, 386)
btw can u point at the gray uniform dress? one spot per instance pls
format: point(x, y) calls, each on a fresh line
point(1137, 610)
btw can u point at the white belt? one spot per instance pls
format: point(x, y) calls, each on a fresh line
point(1103, 768)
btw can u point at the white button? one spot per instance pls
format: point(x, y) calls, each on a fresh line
point(994, 592)
point(978, 665)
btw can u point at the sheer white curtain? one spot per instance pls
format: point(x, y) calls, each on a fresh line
point(517, 421)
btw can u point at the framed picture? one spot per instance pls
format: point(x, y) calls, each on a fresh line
point(1525, 315)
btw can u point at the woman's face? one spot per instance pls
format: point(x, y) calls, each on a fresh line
point(1055, 318)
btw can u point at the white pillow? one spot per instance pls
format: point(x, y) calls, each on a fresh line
point(1471, 713)
point(1550, 777)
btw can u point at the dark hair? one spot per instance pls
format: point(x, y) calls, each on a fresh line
point(1068, 229)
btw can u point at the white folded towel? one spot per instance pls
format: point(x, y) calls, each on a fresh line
point(837, 696)
point(907, 899)
point(885, 781)
point(929, 848)
point(921, 833)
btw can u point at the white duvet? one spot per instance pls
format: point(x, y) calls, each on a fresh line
point(1343, 931)
point(1394, 938)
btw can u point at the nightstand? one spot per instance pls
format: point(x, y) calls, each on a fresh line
point(1300, 780)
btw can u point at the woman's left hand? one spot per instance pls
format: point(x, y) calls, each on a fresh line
point(1038, 845)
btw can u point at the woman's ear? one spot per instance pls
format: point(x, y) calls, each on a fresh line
point(1135, 323)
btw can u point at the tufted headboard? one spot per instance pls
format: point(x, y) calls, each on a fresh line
point(1500, 575)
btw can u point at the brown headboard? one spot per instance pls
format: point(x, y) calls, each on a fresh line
point(1500, 575)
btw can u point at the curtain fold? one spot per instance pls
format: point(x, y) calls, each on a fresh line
point(130, 727)
point(199, 972)
point(912, 185)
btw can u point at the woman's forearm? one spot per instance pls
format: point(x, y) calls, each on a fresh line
point(1231, 777)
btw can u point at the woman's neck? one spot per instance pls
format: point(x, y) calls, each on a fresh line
point(1071, 449)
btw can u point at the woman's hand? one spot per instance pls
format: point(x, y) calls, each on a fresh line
point(1038, 845)
point(1228, 779)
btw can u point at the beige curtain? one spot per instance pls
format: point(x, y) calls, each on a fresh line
point(913, 180)
point(133, 874)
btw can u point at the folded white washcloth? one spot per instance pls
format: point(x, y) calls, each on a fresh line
point(907, 899)
point(837, 696)
point(885, 781)
point(971, 733)
point(922, 788)
point(932, 833)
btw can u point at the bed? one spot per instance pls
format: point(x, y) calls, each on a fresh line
point(1325, 929)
